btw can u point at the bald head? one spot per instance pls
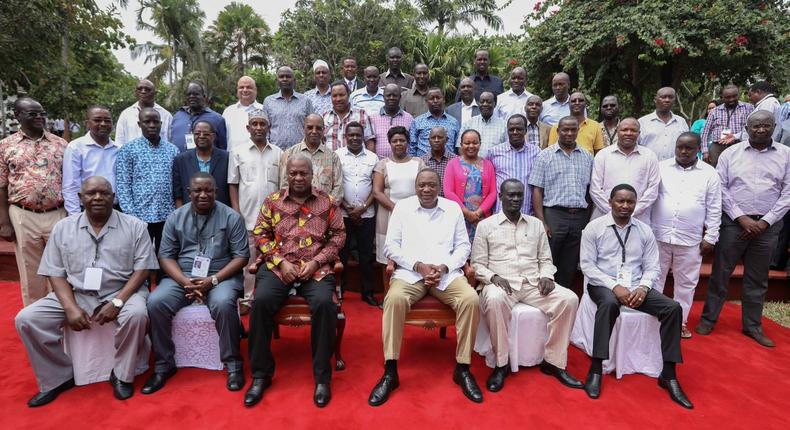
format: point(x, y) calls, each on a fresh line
point(246, 90)
point(467, 90)
point(665, 99)
point(560, 85)
point(96, 182)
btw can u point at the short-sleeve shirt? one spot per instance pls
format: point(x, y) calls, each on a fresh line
point(357, 177)
point(222, 239)
point(287, 118)
point(564, 177)
point(382, 123)
point(335, 127)
point(257, 173)
point(32, 169)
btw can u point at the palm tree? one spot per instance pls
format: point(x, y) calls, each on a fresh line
point(178, 23)
point(448, 14)
point(240, 32)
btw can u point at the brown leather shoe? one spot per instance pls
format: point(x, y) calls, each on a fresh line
point(760, 338)
point(685, 333)
point(703, 328)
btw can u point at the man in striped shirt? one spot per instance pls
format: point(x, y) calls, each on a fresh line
point(336, 120)
point(514, 159)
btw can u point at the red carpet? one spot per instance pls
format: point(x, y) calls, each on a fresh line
point(733, 382)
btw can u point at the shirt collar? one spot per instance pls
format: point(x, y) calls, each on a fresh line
point(318, 91)
point(559, 148)
point(474, 103)
point(92, 141)
point(501, 218)
point(636, 149)
point(314, 192)
point(441, 204)
point(694, 166)
point(252, 145)
point(44, 136)
point(206, 109)
point(383, 112)
point(610, 220)
point(112, 222)
point(389, 73)
point(362, 153)
point(303, 147)
point(748, 147)
point(253, 105)
point(294, 95)
point(767, 96)
point(654, 117)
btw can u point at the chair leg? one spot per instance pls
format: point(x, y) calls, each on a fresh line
point(443, 332)
point(277, 331)
point(341, 327)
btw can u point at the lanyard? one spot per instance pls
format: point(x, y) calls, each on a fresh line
point(201, 248)
point(96, 253)
point(612, 135)
point(620, 239)
point(730, 113)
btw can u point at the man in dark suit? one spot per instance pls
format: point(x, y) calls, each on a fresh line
point(204, 157)
point(349, 70)
point(467, 107)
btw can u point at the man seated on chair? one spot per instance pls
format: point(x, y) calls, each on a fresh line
point(428, 241)
point(203, 251)
point(96, 261)
point(299, 234)
point(521, 270)
point(619, 258)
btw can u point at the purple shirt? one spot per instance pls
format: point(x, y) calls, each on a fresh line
point(382, 123)
point(755, 182)
point(510, 163)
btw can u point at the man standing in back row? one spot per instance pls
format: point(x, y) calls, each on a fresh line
point(660, 130)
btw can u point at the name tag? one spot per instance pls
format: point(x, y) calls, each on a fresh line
point(190, 139)
point(624, 277)
point(92, 279)
point(200, 267)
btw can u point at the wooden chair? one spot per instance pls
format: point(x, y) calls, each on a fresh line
point(429, 312)
point(296, 313)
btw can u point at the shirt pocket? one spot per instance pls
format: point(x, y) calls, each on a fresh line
point(249, 172)
point(273, 174)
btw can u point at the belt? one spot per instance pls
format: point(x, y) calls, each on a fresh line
point(564, 209)
point(38, 211)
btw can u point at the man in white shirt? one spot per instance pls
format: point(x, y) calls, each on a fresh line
point(126, 130)
point(236, 114)
point(625, 163)
point(253, 174)
point(762, 97)
point(619, 258)
point(369, 98)
point(660, 129)
point(428, 242)
point(689, 198)
point(357, 205)
point(465, 109)
point(513, 100)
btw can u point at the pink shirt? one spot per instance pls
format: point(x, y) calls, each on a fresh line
point(455, 182)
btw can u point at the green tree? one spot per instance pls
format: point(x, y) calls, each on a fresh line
point(333, 29)
point(449, 14)
point(632, 47)
point(240, 34)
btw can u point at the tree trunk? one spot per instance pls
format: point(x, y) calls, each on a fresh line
point(240, 55)
point(64, 86)
point(2, 111)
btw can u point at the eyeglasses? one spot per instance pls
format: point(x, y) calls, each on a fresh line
point(34, 114)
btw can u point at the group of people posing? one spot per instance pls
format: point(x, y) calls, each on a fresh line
point(525, 191)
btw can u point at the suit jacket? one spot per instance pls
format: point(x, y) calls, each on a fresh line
point(543, 131)
point(185, 165)
point(358, 83)
point(454, 110)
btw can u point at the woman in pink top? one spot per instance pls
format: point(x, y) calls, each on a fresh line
point(470, 181)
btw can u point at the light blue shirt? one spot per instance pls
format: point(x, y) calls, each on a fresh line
point(493, 132)
point(82, 159)
point(145, 179)
point(553, 111)
point(421, 129)
point(360, 99)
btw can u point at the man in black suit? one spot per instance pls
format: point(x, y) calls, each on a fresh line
point(204, 157)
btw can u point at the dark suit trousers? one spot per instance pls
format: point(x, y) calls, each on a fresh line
point(756, 255)
point(363, 237)
point(270, 294)
point(667, 311)
point(780, 255)
point(565, 240)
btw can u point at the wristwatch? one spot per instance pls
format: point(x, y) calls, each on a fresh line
point(214, 280)
point(118, 303)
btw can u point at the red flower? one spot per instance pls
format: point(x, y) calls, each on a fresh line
point(660, 42)
point(741, 40)
point(513, 62)
point(761, 5)
point(537, 7)
point(764, 22)
point(678, 50)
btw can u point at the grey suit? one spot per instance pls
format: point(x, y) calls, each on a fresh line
point(454, 110)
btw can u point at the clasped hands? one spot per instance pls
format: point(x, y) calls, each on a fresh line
point(431, 273)
point(545, 285)
point(292, 273)
point(631, 298)
point(79, 320)
point(751, 228)
point(197, 288)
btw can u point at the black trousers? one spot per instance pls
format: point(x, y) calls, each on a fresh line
point(662, 307)
point(363, 236)
point(565, 241)
point(780, 255)
point(155, 232)
point(270, 294)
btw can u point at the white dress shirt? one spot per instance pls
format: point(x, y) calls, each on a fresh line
point(688, 199)
point(236, 121)
point(466, 111)
point(357, 177)
point(127, 130)
point(257, 174)
point(82, 159)
point(768, 103)
point(611, 167)
point(659, 136)
point(510, 103)
point(430, 236)
point(601, 255)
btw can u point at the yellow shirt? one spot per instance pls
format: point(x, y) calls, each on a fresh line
point(590, 136)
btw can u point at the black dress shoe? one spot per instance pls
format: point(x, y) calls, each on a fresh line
point(255, 392)
point(760, 338)
point(157, 381)
point(235, 380)
point(371, 301)
point(593, 385)
point(675, 392)
point(563, 376)
point(466, 380)
point(44, 397)
point(121, 390)
point(322, 395)
point(381, 392)
point(496, 381)
point(703, 328)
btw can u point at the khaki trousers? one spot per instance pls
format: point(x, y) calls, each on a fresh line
point(461, 297)
point(32, 233)
point(559, 306)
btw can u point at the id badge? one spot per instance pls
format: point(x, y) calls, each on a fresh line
point(624, 277)
point(92, 279)
point(200, 266)
point(190, 139)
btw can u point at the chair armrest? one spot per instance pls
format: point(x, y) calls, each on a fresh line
point(338, 269)
point(253, 268)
